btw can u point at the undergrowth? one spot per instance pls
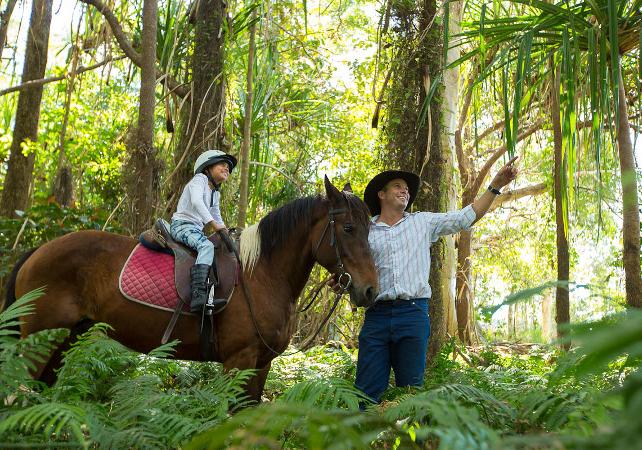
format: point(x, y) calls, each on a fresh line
point(107, 396)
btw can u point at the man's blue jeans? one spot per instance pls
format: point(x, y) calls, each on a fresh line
point(394, 335)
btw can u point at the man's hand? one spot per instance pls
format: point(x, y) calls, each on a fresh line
point(334, 285)
point(212, 227)
point(505, 175)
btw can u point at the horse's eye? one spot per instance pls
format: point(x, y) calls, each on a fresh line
point(348, 228)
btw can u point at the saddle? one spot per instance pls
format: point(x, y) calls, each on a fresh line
point(225, 270)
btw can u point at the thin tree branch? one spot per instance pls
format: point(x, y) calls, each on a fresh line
point(22, 229)
point(128, 49)
point(496, 126)
point(4, 23)
point(498, 153)
point(288, 177)
point(117, 30)
point(41, 81)
point(535, 189)
point(113, 212)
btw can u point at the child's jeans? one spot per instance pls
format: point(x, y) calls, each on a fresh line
point(192, 236)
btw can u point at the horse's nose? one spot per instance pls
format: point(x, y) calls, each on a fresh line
point(371, 294)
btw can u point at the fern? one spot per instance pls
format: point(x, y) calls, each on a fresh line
point(448, 421)
point(330, 393)
point(18, 360)
point(494, 412)
point(293, 425)
point(52, 420)
point(546, 410)
point(19, 357)
point(317, 363)
point(10, 317)
point(92, 364)
point(603, 341)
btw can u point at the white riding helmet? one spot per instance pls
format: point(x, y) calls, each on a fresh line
point(210, 157)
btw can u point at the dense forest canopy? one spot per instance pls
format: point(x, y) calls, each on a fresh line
point(103, 114)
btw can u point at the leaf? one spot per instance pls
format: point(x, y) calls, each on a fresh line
point(526, 294)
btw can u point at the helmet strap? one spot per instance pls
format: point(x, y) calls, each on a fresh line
point(211, 180)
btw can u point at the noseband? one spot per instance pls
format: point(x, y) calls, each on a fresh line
point(344, 278)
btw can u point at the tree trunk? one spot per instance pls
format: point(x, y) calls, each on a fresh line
point(630, 208)
point(413, 145)
point(450, 121)
point(202, 119)
point(562, 312)
point(465, 330)
point(547, 329)
point(15, 194)
point(247, 128)
point(435, 163)
point(4, 23)
point(472, 183)
point(142, 170)
point(420, 147)
point(63, 187)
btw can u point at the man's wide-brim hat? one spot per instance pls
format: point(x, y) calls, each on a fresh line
point(211, 157)
point(371, 198)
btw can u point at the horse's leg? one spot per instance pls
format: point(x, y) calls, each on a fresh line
point(242, 360)
point(258, 382)
point(46, 371)
point(65, 314)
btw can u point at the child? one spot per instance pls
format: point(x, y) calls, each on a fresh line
point(198, 211)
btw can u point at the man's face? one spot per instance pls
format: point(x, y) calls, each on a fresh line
point(219, 172)
point(395, 195)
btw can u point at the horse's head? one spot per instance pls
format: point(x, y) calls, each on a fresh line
point(341, 244)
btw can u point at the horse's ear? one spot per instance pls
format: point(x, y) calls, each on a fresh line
point(347, 188)
point(330, 191)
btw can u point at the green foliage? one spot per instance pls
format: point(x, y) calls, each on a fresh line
point(285, 425)
point(318, 363)
point(19, 357)
point(446, 420)
point(311, 115)
point(326, 393)
point(488, 398)
point(105, 394)
point(42, 223)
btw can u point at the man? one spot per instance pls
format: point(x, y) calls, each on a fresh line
point(396, 328)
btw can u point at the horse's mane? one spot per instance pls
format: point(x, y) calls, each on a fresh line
point(275, 229)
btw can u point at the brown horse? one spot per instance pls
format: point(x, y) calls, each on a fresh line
point(80, 273)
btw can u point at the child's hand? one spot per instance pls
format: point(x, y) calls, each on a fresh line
point(212, 227)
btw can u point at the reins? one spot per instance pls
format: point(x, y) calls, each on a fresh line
point(344, 280)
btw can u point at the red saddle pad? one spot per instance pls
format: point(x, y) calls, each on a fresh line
point(148, 277)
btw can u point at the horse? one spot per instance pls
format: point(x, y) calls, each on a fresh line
point(80, 272)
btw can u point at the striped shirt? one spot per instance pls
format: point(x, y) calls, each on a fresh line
point(401, 252)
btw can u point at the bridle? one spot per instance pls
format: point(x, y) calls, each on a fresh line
point(344, 280)
point(342, 272)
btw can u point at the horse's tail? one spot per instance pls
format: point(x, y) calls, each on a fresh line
point(10, 296)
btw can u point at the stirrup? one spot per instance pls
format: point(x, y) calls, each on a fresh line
point(214, 306)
